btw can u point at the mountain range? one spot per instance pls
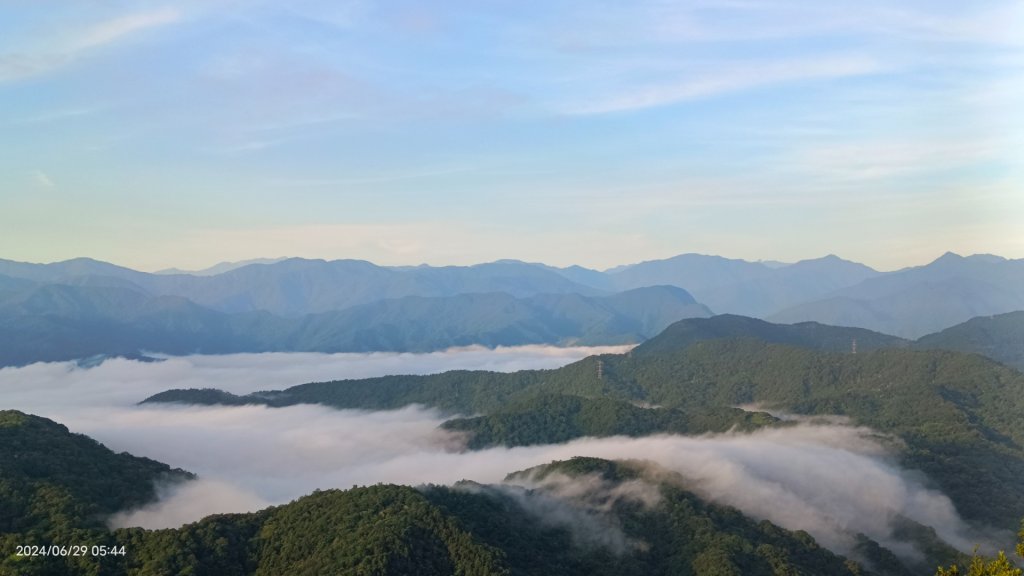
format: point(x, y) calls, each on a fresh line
point(54, 322)
point(295, 286)
point(923, 299)
point(82, 307)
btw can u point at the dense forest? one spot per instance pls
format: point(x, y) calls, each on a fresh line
point(550, 419)
point(525, 526)
point(1000, 337)
point(958, 414)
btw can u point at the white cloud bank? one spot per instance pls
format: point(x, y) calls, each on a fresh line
point(830, 480)
point(62, 389)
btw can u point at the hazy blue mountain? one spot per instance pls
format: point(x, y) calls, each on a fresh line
point(61, 322)
point(296, 286)
point(292, 287)
point(589, 277)
point(742, 287)
point(75, 271)
point(916, 301)
point(999, 337)
point(61, 270)
point(695, 272)
point(786, 286)
point(10, 286)
point(908, 303)
point(495, 319)
point(774, 263)
point(220, 268)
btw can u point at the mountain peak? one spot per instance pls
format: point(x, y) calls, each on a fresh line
point(989, 258)
point(948, 257)
point(952, 258)
point(221, 267)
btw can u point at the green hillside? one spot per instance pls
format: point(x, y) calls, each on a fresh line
point(551, 419)
point(999, 337)
point(805, 335)
point(958, 414)
point(51, 479)
point(58, 487)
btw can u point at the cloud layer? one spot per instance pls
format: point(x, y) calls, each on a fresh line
point(45, 387)
point(831, 480)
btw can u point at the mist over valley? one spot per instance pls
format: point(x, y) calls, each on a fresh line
point(585, 288)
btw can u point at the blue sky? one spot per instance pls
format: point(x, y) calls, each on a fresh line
point(183, 134)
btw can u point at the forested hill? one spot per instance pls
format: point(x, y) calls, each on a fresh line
point(553, 418)
point(805, 335)
point(959, 414)
point(52, 480)
point(58, 488)
point(530, 526)
point(1000, 337)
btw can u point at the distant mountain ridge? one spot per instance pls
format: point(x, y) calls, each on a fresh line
point(295, 286)
point(52, 322)
point(916, 301)
point(735, 286)
point(908, 303)
point(221, 267)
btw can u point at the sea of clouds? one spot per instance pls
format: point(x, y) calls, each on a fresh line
point(829, 479)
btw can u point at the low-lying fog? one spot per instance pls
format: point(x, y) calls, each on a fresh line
point(830, 480)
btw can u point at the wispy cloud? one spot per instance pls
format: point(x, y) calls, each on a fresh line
point(67, 47)
point(856, 162)
point(991, 23)
point(42, 179)
point(14, 66)
point(115, 29)
point(305, 121)
point(246, 146)
point(742, 77)
point(54, 116)
point(392, 177)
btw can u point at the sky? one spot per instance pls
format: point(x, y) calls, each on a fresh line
point(182, 134)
